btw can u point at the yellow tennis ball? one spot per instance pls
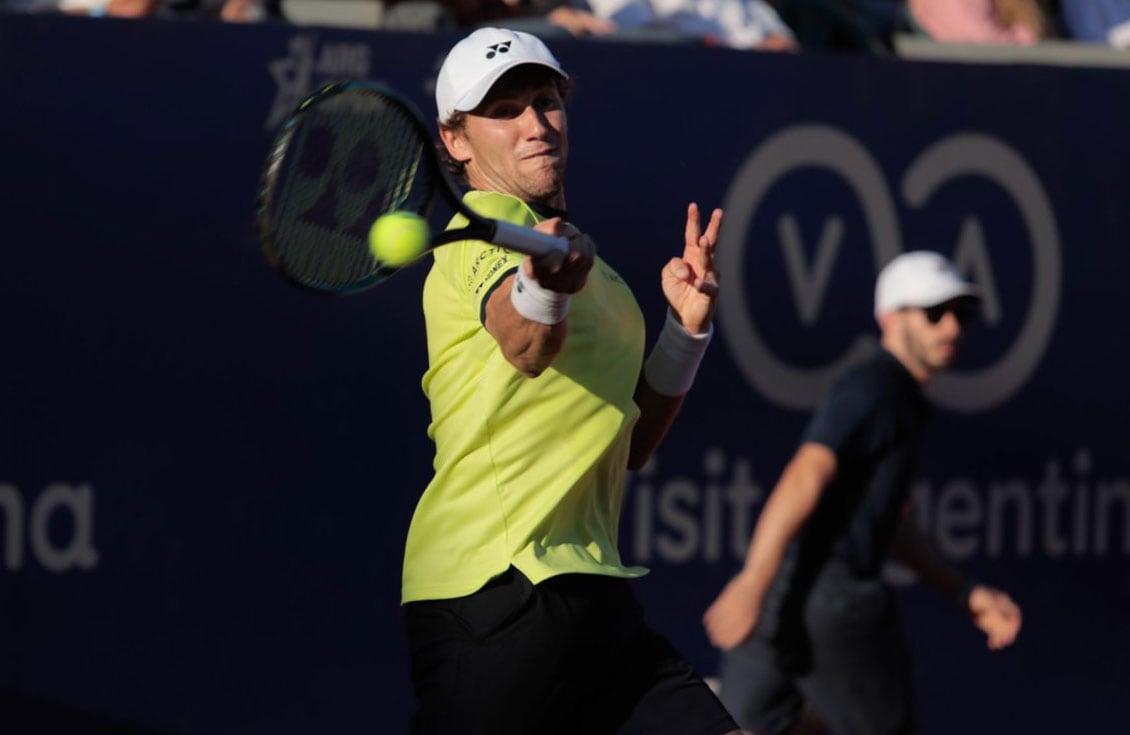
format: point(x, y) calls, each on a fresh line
point(398, 238)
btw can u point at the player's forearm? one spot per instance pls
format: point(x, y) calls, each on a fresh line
point(667, 376)
point(530, 346)
point(657, 413)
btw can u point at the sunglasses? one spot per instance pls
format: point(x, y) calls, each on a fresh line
point(963, 310)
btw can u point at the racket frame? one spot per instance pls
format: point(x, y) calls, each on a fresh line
point(511, 236)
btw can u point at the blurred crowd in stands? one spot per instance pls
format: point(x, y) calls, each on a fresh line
point(836, 26)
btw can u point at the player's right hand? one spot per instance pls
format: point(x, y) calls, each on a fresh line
point(558, 271)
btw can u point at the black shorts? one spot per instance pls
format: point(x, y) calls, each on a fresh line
point(857, 674)
point(570, 655)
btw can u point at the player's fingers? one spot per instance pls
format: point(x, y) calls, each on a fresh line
point(582, 253)
point(714, 227)
point(572, 268)
point(553, 226)
point(544, 267)
point(677, 269)
point(582, 245)
point(567, 229)
point(693, 228)
point(581, 248)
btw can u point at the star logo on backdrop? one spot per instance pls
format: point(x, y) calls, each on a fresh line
point(310, 64)
point(292, 76)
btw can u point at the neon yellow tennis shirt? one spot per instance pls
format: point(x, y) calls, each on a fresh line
point(528, 471)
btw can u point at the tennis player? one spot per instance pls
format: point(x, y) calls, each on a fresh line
point(808, 620)
point(518, 609)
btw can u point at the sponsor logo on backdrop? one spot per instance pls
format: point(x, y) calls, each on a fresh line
point(946, 162)
point(54, 530)
point(310, 64)
point(1060, 508)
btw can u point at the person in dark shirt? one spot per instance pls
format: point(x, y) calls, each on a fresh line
point(809, 620)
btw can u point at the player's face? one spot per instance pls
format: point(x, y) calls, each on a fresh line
point(516, 141)
point(931, 336)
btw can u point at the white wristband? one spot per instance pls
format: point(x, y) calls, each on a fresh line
point(537, 303)
point(674, 361)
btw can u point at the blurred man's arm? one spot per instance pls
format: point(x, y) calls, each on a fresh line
point(734, 614)
point(991, 610)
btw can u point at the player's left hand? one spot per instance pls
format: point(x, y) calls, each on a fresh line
point(690, 283)
point(996, 614)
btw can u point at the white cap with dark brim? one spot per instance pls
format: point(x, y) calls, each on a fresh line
point(920, 278)
point(478, 61)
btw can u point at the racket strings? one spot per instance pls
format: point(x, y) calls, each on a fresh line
point(351, 158)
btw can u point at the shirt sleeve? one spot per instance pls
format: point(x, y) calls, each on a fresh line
point(840, 420)
point(474, 268)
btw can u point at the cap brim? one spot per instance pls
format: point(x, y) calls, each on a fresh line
point(925, 301)
point(968, 291)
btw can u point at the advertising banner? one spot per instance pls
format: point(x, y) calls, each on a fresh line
point(206, 475)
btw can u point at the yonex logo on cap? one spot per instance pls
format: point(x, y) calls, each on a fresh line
point(478, 61)
point(501, 48)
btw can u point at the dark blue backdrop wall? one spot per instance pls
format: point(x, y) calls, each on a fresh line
point(206, 476)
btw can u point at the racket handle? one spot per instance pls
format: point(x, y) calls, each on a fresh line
point(525, 240)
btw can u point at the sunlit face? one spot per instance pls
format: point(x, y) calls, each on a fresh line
point(516, 141)
point(927, 340)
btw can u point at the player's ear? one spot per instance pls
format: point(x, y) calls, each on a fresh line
point(455, 143)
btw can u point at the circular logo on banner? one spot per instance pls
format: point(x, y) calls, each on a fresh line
point(813, 146)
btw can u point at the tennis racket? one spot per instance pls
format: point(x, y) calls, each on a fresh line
point(351, 152)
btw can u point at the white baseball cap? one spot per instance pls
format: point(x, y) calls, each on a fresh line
point(919, 278)
point(478, 61)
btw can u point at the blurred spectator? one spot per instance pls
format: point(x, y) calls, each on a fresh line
point(117, 8)
point(540, 17)
point(236, 11)
point(744, 24)
point(1097, 21)
point(1028, 14)
point(1020, 22)
point(846, 26)
point(579, 21)
point(29, 6)
point(243, 11)
point(231, 11)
